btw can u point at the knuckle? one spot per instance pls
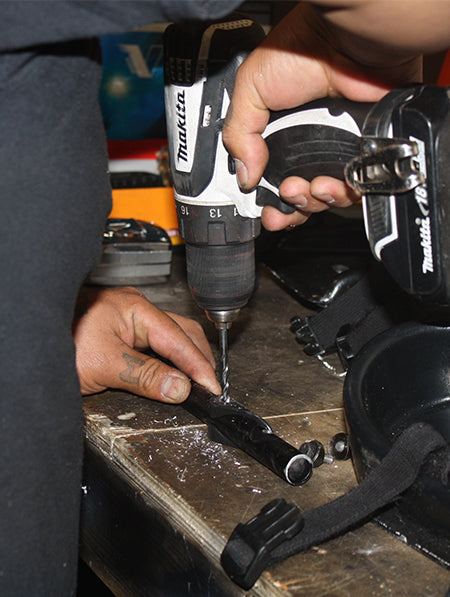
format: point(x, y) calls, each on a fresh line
point(195, 328)
point(160, 382)
point(228, 134)
point(148, 375)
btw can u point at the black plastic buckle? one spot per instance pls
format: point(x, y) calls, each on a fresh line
point(305, 334)
point(248, 551)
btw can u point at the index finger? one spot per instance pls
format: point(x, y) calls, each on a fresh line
point(177, 339)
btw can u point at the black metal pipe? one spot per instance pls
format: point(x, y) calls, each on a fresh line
point(232, 424)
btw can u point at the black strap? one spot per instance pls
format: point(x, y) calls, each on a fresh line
point(319, 331)
point(244, 558)
point(373, 304)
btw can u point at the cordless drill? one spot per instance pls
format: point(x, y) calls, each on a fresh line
point(217, 221)
point(394, 152)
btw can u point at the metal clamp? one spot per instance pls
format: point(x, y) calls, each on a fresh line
point(385, 166)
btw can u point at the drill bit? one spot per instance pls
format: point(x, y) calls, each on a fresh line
point(223, 342)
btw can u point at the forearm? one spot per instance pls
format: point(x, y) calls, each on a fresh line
point(387, 27)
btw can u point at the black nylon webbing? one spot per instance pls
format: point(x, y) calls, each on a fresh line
point(345, 310)
point(395, 473)
point(268, 537)
point(372, 305)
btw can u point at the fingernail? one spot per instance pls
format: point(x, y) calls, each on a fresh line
point(327, 199)
point(241, 173)
point(174, 387)
point(300, 201)
point(214, 388)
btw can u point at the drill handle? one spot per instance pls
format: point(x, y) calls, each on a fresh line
point(319, 138)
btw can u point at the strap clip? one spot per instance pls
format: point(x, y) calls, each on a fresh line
point(305, 334)
point(248, 551)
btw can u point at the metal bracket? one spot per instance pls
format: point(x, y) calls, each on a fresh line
point(385, 166)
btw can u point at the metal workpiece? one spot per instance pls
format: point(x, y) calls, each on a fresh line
point(231, 424)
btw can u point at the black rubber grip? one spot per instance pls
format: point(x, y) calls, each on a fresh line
point(221, 277)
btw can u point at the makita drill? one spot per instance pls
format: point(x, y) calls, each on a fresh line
point(395, 152)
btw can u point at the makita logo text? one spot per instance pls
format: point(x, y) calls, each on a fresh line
point(424, 220)
point(426, 244)
point(182, 152)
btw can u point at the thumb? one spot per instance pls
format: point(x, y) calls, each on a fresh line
point(245, 121)
point(150, 377)
point(124, 368)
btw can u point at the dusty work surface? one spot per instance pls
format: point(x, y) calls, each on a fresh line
point(161, 499)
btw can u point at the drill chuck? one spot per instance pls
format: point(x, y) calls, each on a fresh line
point(223, 319)
point(221, 278)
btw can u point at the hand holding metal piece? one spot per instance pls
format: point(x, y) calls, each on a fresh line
point(231, 424)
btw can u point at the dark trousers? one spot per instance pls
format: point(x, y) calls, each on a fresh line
point(54, 200)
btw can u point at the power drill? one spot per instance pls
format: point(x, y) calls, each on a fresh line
point(395, 152)
point(217, 221)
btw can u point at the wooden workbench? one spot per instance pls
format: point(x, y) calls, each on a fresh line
point(160, 499)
